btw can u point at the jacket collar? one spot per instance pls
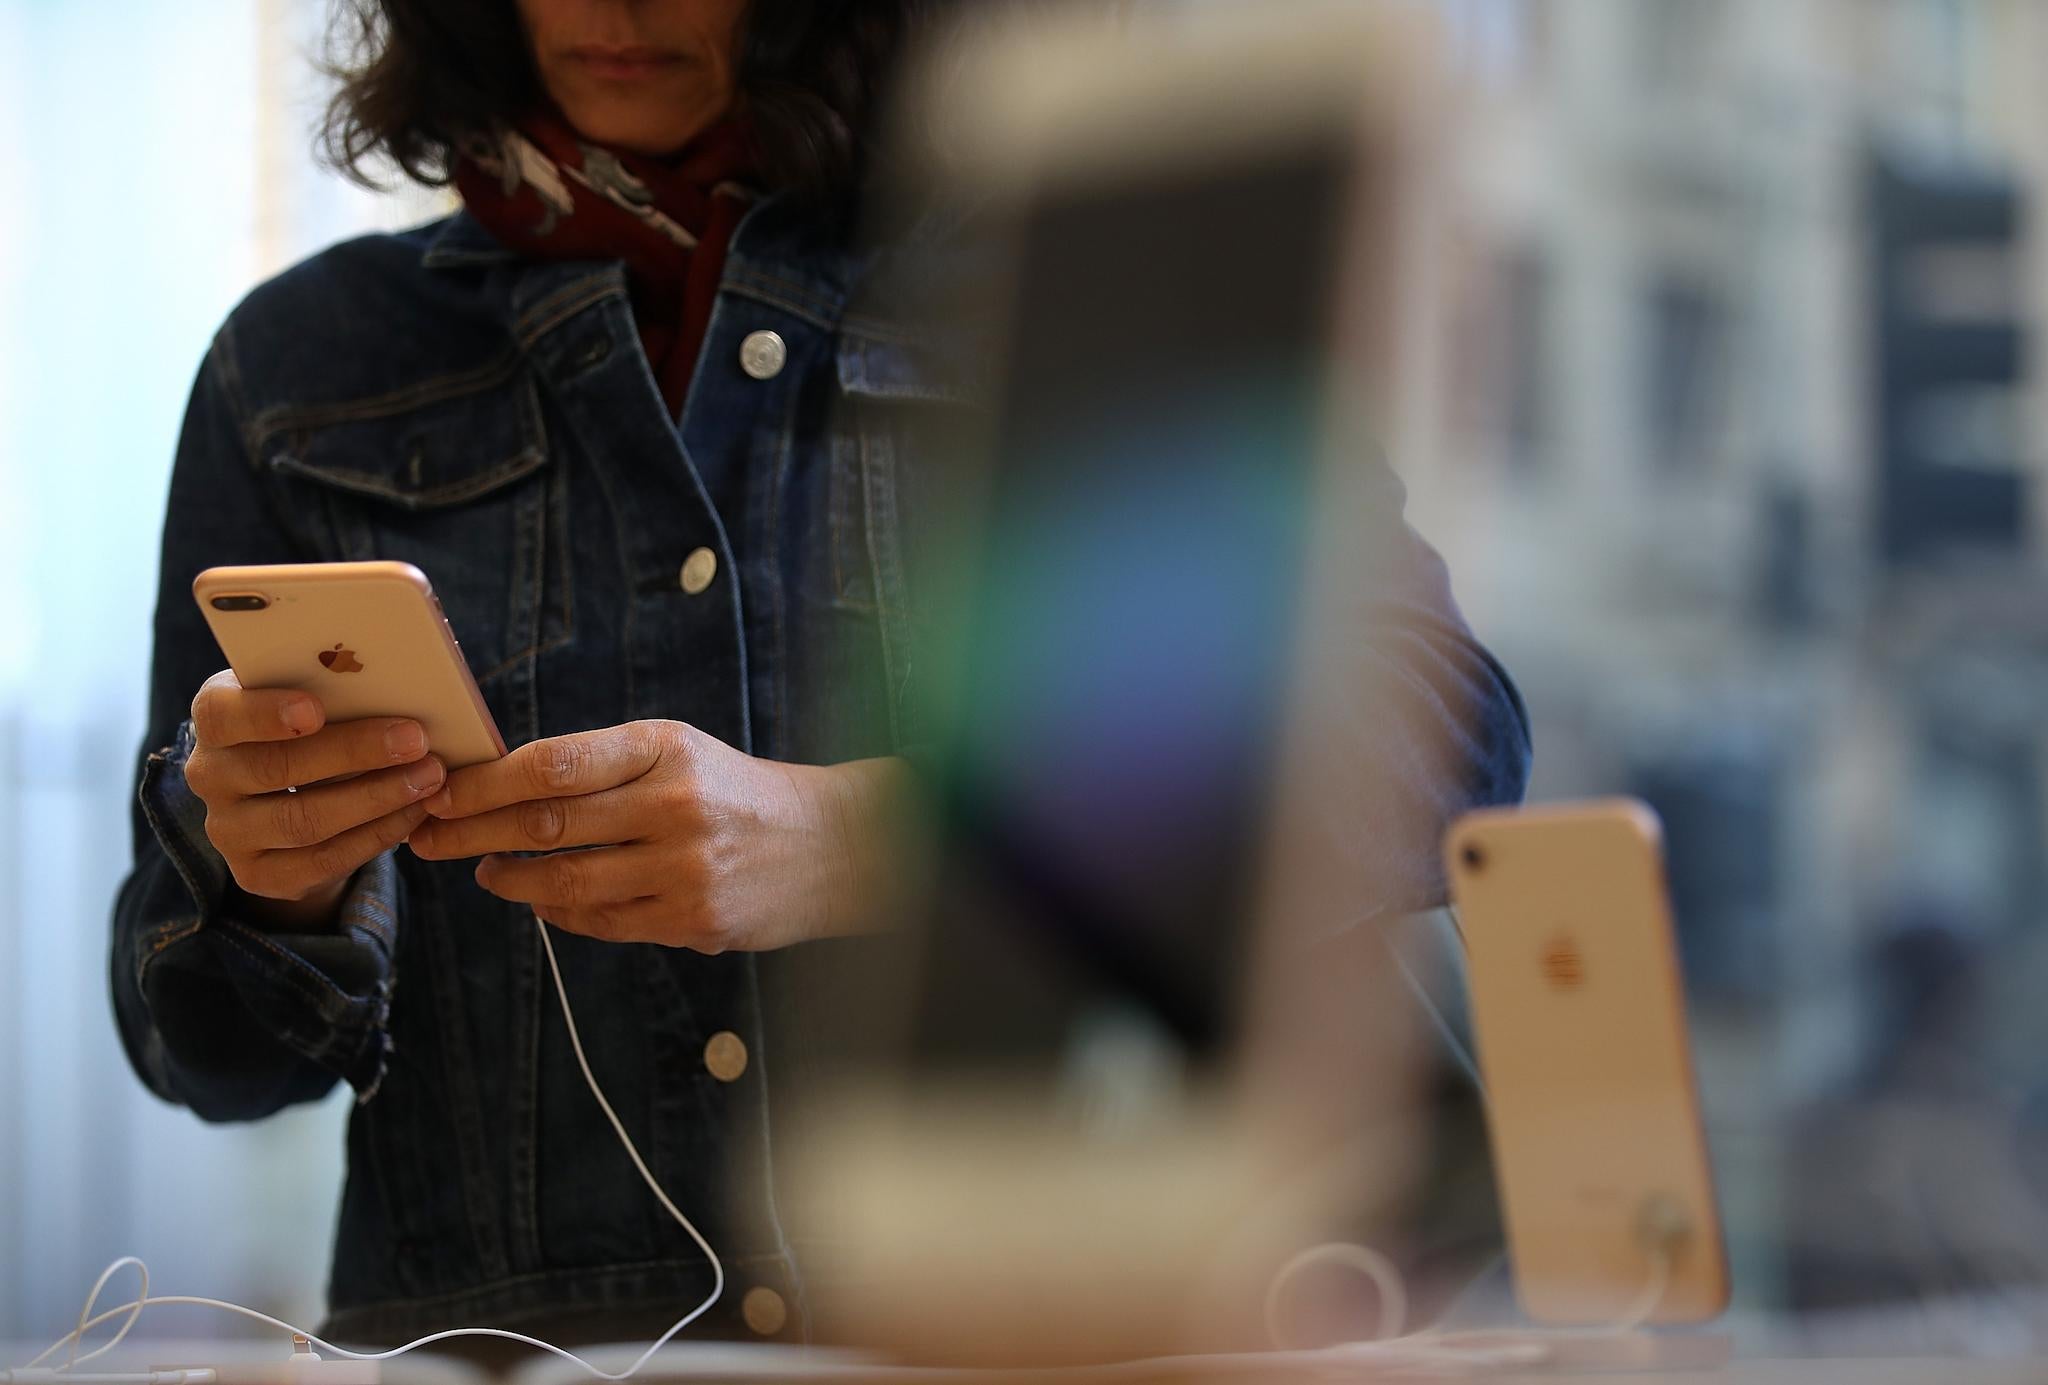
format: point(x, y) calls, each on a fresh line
point(461, 242)
point(777, 256)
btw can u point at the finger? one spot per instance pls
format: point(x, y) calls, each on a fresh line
point(346, 747)
point(648, 919)
point(572, 880)
point(607, 818)
point(629, 921)
point(288, 821)
point(226, 713)
point(561, 766)
point(300, 870)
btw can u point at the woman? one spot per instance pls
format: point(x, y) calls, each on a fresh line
point(608, 408)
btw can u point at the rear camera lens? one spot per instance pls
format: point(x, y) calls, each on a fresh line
point(241, 602)
point(1474, 859)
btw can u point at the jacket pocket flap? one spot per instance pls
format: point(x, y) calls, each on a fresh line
point(877, 367)
point(416, 455)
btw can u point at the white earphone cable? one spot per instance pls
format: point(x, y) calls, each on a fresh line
point(133, 1309)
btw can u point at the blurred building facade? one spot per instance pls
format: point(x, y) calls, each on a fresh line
point(1734, 437)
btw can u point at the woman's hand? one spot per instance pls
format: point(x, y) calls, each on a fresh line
point(293, 852)
point(691, 843)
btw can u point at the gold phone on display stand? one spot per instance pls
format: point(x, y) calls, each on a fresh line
point(1579, 1012)
point(367, 639)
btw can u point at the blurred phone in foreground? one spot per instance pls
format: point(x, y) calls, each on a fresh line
point(1118, 1087)
point(1579, 1012)
point(367, 639)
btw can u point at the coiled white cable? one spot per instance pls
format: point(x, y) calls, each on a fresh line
point(1386, 1282)
point(1439, 1345)
point(1429, 1350)
point(133, 1308)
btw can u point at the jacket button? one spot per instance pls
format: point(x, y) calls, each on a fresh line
point(764, 1311)
point(725, 1055)
point(763, 354)
point(698, 570)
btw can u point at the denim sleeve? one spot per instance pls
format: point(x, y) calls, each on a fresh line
point(217, 1014)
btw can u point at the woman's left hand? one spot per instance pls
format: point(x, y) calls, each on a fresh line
point(690, 842)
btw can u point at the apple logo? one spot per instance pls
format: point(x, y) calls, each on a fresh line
point(1564, 966)
point(339, 660)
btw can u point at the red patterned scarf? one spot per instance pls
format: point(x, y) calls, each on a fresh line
point(545, 193)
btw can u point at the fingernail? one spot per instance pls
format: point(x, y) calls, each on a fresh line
point(426, 774)
point(299, 716)
point(439, 804)
point(405, 740)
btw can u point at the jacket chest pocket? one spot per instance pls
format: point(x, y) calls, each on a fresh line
point(901, 429)
point(461, 486)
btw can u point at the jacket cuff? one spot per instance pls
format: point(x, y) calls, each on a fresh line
point(325, 995)
point(178, 818)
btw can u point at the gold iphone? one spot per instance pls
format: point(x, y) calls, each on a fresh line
point(1579, 1013)
point(367, 639)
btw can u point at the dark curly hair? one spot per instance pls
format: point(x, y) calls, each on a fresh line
point(416, 75)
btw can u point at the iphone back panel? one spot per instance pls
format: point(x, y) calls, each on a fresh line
point(1579, 1013)
point(367, 639)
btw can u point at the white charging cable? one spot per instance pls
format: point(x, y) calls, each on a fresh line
point(1386, 1282)
point(34, 1370)
point(1430, 1349)
point(197, 1375)
point(1662, 1228)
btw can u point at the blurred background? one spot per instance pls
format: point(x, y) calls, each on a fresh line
point(158, 164)
point(1730, 426)
point(1720, 401)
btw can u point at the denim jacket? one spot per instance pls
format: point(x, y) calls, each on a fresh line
point(428, 397)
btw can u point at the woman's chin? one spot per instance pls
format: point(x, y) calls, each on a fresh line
point(625, 119)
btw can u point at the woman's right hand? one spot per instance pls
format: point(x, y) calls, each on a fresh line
point(290, 839)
